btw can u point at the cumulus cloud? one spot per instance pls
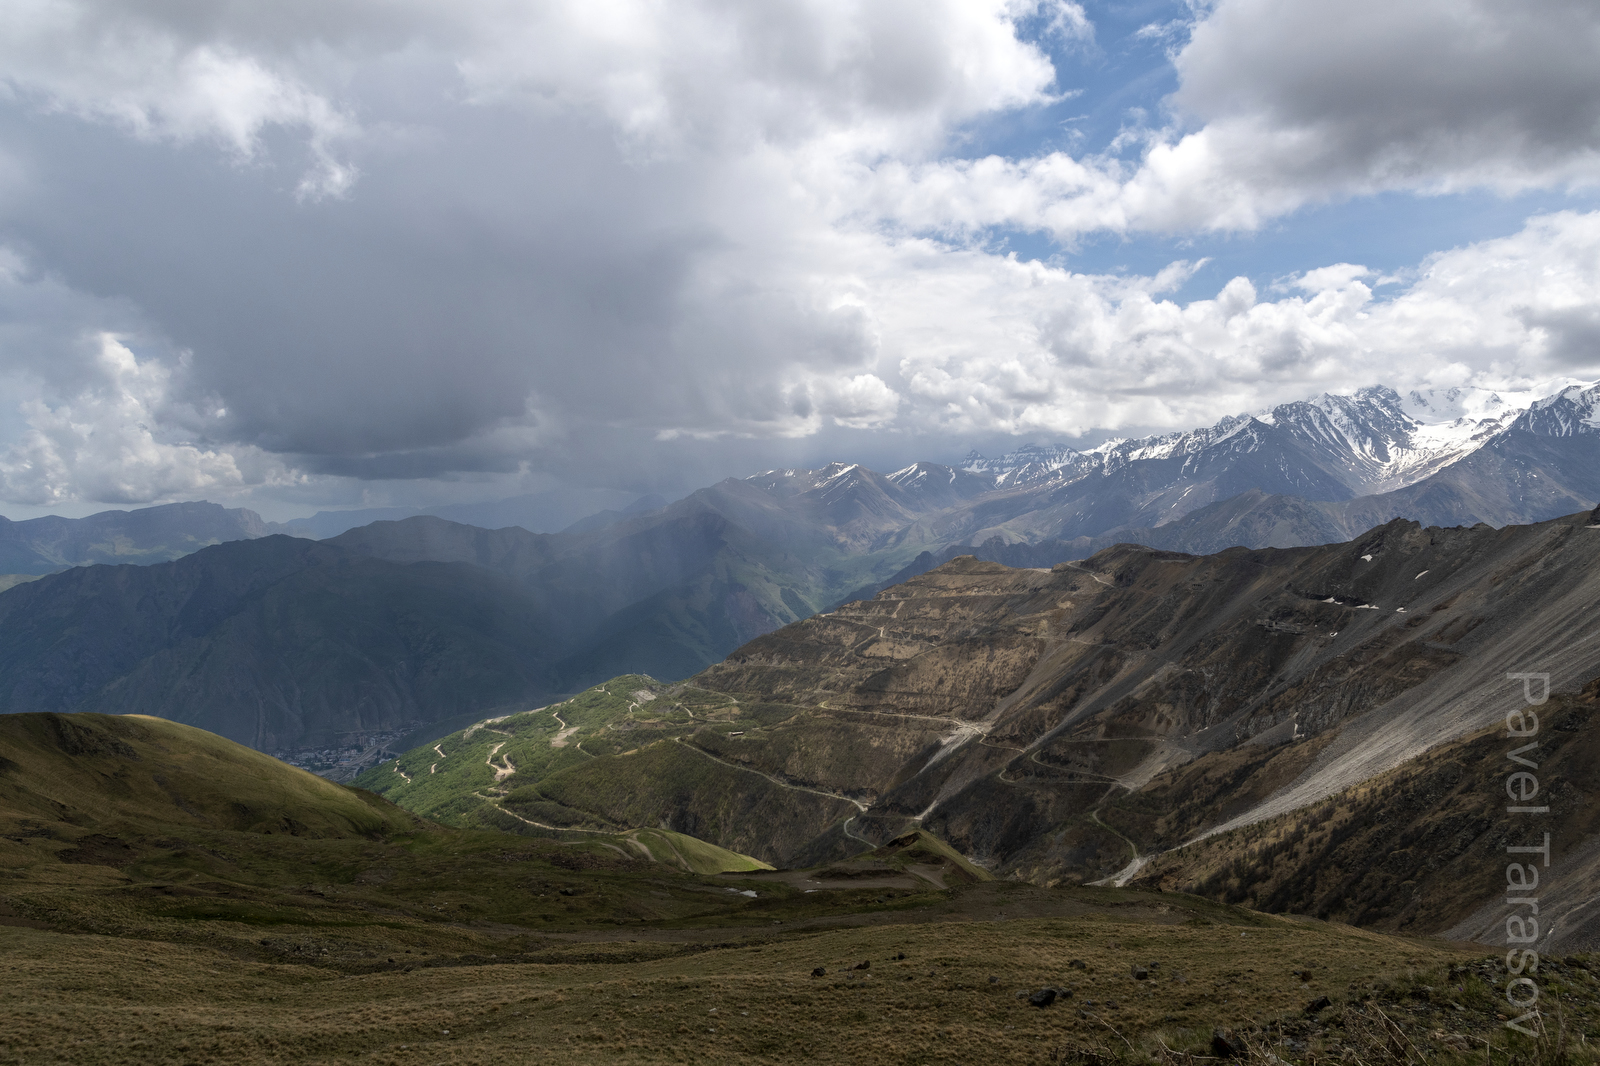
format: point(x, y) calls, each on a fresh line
point(1062, 352)
point(144, 68)
point(108, 443)
point(1434, 94)
point(1280, 105)
point(867, 78)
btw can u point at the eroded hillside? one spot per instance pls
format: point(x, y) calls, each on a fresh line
point(1056, 724)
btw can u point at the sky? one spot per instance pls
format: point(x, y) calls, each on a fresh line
point(333, 253)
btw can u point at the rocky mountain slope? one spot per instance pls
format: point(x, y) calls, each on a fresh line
point(1055, 724)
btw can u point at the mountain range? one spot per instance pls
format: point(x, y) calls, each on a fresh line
point(278, 642)
point(40, 546)
point(551, 511)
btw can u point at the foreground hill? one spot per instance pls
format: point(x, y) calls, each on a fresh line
point(171, 897)
point(1058, 724)
point(77, 778)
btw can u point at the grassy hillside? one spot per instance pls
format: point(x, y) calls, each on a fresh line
point(136, 774)
point(139, 826)
point(566, 770)
point(763, 779)
point(150, 914)
point(457, 778)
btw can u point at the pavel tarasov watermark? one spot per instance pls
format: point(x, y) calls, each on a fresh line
point(1522, 878)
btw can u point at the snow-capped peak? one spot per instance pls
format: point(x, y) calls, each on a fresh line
point(1029, 463)
point(1370, 441)
point(922, 472)
point(1449, 406)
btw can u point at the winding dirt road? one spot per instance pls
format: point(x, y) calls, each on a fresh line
point(500, 773)
point(862, 807)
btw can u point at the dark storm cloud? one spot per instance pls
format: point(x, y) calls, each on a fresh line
point(1376, 94)
point(511, 260)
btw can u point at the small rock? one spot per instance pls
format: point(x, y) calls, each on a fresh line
point(1077, 964)
point(820, 971)
point(863, 965)
point(994, 980)
point(900, 956)
point(1042, 998)
point(1140, 973)
point(1321, 1003)
point(1225, 1043)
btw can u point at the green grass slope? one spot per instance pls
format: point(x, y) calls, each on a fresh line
point(760, 780)
point(118, 824)
point(110, 773)
point(456, 779)
point(921, 848)
point(490, 774)
point(689, 854)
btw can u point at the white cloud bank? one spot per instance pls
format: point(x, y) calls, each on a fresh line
point(435, 240)
point(113, 443)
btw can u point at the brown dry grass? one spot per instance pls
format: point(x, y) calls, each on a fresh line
point(93, 999)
